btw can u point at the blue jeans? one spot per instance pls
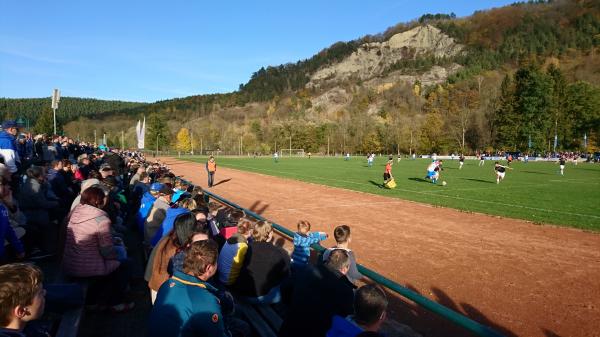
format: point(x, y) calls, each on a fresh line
point(211, 178)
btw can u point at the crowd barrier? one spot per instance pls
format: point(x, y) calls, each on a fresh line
point(451, 315)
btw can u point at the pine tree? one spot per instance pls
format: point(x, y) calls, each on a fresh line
point(45, 122)
point(506, 121)
point(157, 130)
point(562, 125)
point(183, 143)
point(533, 101)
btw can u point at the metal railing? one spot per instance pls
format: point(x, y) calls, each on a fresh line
point(453, 316)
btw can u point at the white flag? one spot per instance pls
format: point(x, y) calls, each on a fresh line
point(138, 128)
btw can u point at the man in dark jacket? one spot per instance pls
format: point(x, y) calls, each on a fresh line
point(317, 294)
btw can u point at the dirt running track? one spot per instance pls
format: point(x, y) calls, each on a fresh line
point(520, 278)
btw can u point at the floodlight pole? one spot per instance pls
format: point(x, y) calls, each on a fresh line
point(54, 115)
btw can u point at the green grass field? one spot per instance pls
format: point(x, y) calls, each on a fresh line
point(532, 191)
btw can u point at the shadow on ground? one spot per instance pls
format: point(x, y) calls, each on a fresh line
point(478, 180)
point(421, 180)
point(430, 324)
point(375, 183)
point(222, 182)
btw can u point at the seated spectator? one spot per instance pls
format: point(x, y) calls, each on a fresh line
point(233, 253)
point(146, 204)
point(90, 253)
point(265, 267)
point(184, 206)
point(317, 294)
point(180, 236)
point(21, 297)
point(343, 238)
point(303, 239)
point(158, 213)
point(7, 232)
point(370, 304)
point(187, 305)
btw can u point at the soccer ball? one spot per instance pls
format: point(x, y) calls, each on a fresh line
point(443, 183)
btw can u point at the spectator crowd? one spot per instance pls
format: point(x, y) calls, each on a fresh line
point(74, 202)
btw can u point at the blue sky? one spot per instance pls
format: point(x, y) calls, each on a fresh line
point(153, 50)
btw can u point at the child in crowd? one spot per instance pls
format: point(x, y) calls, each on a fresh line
point(146, 203)
point(22, 297)
point(303, 239)
point(233, 252)
point(343, 238)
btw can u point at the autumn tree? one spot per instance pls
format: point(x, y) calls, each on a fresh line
point(183, 143)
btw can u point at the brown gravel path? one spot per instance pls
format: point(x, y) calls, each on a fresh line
point(523, 279)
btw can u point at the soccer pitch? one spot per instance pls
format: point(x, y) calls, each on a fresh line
point(534, 191)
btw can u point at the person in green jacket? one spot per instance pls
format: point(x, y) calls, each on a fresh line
point(186, 304)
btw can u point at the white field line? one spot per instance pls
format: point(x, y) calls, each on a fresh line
point(433, 194)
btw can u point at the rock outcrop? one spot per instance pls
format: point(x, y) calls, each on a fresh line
point(372, 59)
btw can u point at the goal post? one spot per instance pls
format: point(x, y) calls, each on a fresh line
point(292, 152)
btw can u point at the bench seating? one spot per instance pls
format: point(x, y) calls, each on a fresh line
point(263, 319)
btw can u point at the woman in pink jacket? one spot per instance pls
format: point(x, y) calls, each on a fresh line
point(90, 253)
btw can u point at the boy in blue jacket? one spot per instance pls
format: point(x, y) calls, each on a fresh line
point(303, 239)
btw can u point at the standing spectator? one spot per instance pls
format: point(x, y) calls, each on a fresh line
point(38, 150)
point(179, 237)
point(7, 232)
point(182, 207)
point(146, 204)
point(303, 239)
point(211, 169)
point(22, 297)
point(90, 253)
point(370, 305)
point(265, 267)
point(58, 184)
point(84, 167)
point(38, 206)
point(317, 295)
point(106, 170)
point(69, 177)
point(8, 148)
point(158, 212)
point(343, 238)
point(137, 176)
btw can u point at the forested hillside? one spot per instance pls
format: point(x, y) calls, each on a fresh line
point(526, 72)
point(70, 107)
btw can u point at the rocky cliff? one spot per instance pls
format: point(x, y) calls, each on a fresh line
point(372, 59)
